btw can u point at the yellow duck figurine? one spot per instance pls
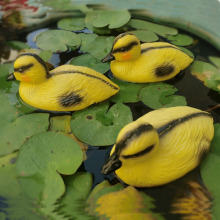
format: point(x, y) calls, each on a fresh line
point(65, 88)
point(148, 62)
point(161, 146)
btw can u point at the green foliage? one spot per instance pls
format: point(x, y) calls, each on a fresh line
point(111, 18)
point(149, 26)
point(89, 61)
point(17, 45)
point(57, 40)
point(71, 24)
point(98, 125)
point(40, 162)
point(87, 40)
point(180, 40)
point(145, 36)
point(187, 51)
point(215, 60)
point(210, 172)
point(160, 95)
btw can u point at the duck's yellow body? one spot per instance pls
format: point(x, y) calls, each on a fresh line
point(66, 88)
point(161, 146)
point(148, 62)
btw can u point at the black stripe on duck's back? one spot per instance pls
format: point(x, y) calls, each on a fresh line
point(175, 123)
point(70, 99)
point(145, 50)
point(164, 70)
point(84, 74)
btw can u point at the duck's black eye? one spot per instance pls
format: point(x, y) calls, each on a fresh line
point(20, 70)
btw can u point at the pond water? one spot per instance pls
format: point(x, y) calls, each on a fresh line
point(197, 95)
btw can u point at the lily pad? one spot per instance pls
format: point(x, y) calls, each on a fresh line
point(87, 40)
point(101, 47)
point(129, 92)
point(57, 40)
point(215, 60)
point(71, 24)
point(161, 95)
point(73, 202)
point(99, 126)
point(149, 26)
point(207, 73)
point(145, 36)
point(17, 45)
point(40, 162)
point(14, 202)
point(89, 61)
point(180, 40)
point(187, 51)
point(110, 18)
point(118, 204)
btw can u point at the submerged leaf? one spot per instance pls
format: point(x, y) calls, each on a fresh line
point(89, 61)
point(180, 40)
point(71, 24)
point(110, 18)
point(149, 26)
point(161, 95)
point(145, 36)
point(40, 162)
point(99, 126)
point(57, 40)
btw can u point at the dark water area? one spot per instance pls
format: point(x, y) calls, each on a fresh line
point(197, 96)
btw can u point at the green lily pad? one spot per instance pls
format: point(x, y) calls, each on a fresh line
point(99, 126)
point(101, 47)
point(160, 95)
point(187, 51)
point(14, 202)
point(110, 18)
point(215, 60)
point(210, 171)
point(45, 54)
point(129, 92)
point(149, 26)
point(87, 40)
point(40, 162)
point(17, 45)
point(145, 36)
point(57, 40)
point(14, 134)
point(73, 202)
point(71, 24)
point(102, 31)
point(207, 73)
point(180, 40)
point(89, 61)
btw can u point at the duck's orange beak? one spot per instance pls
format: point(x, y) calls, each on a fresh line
point(11, 77)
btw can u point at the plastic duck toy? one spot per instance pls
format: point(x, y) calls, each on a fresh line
point(148, 62)
point(65, 88)
point(161, 146)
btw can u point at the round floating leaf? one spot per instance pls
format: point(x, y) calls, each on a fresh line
point(180, 40)
point(207, 73)
point(14, 134)
point(160, 95)
point(101, 31)
point(149, 26)
point(40, 162)
point(110, 18)
point(87, 40)
point(101, 47)
point(145, 36)
point(17, 45)
point(215, 60)
point(99, 126)
point(14, 202)
point(89, 61)
point(57, 40)
point(129, 92)
point(187, 51)
point(71, 24)
point(78, 187)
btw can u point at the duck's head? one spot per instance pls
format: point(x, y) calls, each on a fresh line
point(126, 47)
point(136, 143)
point(29, 68)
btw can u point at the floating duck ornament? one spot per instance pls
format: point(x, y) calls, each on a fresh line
point(148, 62)
point(65, 88)
point(161, 146)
